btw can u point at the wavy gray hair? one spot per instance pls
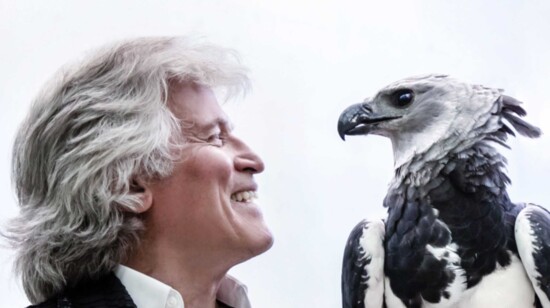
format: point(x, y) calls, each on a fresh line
point(95, 127)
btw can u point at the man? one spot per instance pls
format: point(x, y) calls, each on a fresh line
point(133, 189)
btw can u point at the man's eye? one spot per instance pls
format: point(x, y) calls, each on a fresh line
point(216, 139)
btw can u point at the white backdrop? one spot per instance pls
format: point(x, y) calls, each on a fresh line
point(309, 60)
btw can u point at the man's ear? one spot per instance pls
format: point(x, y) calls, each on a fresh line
point(142, 190)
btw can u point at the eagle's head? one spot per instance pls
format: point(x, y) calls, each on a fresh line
point(434, 113)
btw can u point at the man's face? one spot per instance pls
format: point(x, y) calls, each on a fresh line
point(207, 204)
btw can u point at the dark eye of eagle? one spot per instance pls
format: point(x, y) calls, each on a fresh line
point(402, 98)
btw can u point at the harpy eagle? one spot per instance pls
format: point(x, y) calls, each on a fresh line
point(452, 237)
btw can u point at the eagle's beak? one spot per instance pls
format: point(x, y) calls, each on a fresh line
point(358, 119)
point(349, 120)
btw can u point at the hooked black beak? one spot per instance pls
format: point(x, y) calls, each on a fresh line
point(358, 119)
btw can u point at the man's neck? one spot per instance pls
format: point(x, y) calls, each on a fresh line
point(195, 278)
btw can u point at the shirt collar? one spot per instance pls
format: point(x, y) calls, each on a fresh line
point(148, 292)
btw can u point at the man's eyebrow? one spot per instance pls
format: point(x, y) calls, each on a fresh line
point(223, 123)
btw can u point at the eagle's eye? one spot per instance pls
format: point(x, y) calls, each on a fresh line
point(403, 98)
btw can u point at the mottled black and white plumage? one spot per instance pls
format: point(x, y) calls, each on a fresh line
point(452, 237)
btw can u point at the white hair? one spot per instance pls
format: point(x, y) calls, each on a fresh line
point(94, 128)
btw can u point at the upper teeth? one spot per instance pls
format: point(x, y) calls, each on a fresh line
point(244, 196)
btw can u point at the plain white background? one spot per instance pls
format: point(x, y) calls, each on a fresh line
point(309, 60)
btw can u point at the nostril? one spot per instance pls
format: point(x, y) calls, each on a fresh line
point(366, 107)
point(250, 164)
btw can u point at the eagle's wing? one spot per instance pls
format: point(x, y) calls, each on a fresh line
point(363, 266)
point(532, 232)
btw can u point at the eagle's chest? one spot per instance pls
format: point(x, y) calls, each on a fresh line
point(441, 257)
point(421, 262)
point(506, 287)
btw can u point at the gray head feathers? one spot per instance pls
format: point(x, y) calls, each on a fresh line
point(428, 117)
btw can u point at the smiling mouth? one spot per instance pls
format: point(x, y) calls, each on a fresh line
point(244, 196)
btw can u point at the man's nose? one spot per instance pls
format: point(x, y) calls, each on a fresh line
point(247, 160)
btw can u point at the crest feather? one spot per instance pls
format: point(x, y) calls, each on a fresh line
point(512, 111)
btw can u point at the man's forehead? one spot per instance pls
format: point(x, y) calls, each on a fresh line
point(197, 108)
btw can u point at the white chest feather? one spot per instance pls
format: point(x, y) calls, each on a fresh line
point(504, 288)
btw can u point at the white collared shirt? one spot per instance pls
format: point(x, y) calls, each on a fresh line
point(147, 292)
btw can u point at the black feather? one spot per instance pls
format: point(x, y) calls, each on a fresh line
point(354, 269)
point(540, 224)
point(521, 126)
point(513, 105)
point(510, 110)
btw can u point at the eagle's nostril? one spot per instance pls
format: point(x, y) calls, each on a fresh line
point(366, 107)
